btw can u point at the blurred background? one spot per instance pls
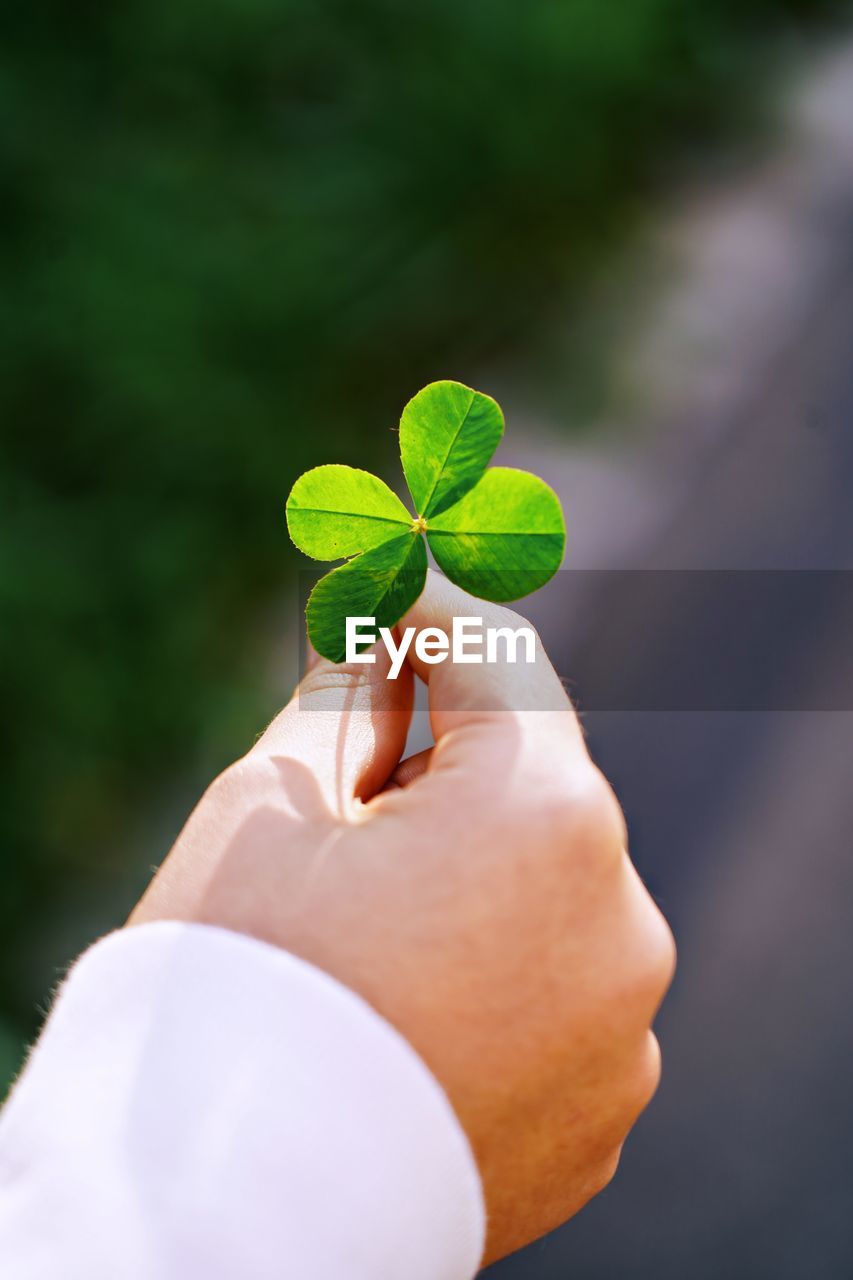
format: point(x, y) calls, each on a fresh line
point(234, 239)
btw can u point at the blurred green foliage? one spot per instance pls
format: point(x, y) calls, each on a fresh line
point(233, 238)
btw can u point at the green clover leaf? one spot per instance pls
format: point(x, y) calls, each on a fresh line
point(497, 533)
point(448, 434)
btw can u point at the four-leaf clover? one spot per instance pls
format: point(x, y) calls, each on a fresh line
point(498, 533)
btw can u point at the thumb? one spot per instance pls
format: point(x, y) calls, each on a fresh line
point(476, 692)
point(347, 722)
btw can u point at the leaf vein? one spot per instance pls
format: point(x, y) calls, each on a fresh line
point(495, 533)
point(359, 515)
point(456, 435)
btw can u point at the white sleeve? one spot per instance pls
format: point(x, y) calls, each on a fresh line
point(203, 1106)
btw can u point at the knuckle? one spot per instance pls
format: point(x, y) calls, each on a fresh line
point(642, 975)
point(605, 1172)
point(660, 952)
point(648, 1073)
point(586, 817)
point(649, 953)
point(652, 971)
point(323, 679)
point(639, 1080)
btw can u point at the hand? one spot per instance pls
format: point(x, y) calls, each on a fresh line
point(479, 896)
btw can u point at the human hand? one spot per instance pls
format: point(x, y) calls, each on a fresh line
point(479, 896)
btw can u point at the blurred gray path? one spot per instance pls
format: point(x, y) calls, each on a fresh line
point(741, 822)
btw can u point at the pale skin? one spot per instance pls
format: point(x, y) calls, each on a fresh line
point(480, 896)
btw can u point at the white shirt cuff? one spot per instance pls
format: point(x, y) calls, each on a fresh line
point(201, 1104)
